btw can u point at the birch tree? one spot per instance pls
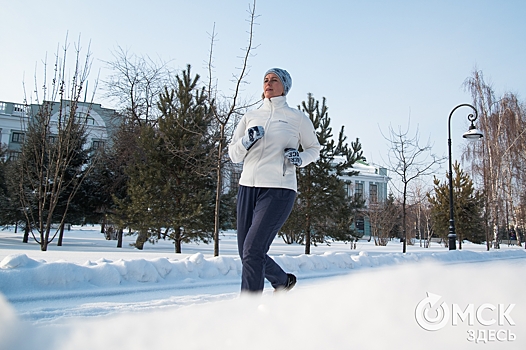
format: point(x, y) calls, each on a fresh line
point(498, 162)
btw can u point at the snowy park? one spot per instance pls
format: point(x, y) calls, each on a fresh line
point(89, 294)
point(176, 121)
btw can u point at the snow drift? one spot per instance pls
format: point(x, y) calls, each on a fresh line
point(23, 278)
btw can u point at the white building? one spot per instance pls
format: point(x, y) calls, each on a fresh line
point(14, 118)
point(371, 185)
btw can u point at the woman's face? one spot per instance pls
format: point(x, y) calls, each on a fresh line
point(272, 86)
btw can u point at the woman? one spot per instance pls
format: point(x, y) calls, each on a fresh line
point(266, 141)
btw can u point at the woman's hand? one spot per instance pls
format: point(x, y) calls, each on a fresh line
point(293, 156)
point(252, 135)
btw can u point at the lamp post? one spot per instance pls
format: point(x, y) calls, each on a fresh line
point(472, 134)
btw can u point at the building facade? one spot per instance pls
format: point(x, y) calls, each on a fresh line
point(370, 184)
point(14, 118)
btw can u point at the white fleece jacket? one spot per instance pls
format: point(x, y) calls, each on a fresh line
point(265, 165)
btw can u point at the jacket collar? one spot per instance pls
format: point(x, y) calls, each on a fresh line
point(275, 102)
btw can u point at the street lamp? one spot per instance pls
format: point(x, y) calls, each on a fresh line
point(472, 134)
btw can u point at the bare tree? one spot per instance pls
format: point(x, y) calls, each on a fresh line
point(421, 212)
point(54, 158)
point(135, 85)
point(226, 107)
point(498, 161)
point(409, 161)
point(383, 218)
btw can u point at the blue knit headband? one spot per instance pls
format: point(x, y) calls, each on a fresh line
point(284, 77)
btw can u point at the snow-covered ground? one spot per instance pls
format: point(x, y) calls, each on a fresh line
point(88, 294)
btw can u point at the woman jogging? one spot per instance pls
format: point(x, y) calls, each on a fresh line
point(266, 141)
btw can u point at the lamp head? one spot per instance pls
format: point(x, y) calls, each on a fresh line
point(473, 133)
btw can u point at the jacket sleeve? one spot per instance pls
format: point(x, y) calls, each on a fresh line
point(309, 142)
point(236, 150)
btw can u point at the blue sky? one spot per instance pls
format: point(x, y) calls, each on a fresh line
point(377, 62)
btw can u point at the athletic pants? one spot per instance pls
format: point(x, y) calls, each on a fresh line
point(260, 214)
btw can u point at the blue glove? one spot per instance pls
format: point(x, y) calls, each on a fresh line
point(293, 156)
point(252, 135)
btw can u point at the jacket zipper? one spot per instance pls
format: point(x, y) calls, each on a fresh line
point(264, 140)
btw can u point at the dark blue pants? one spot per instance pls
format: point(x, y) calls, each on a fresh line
point(260, 214)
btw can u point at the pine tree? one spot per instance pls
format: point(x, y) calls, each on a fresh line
point(170, 188)
point(468, 207)
point(6, 214)
point(97, 191)
point(113, 177)
point(10, 202)
point(323, 211)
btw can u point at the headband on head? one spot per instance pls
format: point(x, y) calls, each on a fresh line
point(284, 77)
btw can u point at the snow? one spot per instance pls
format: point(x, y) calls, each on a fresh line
point(88, 294)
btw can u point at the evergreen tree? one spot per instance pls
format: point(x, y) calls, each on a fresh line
point(113, 178)
point(323, 211)
point(10, 202)
point(170, 189)
point(6, 214)
point(228, 212)
point(468, 208)
point(96, 193)
point(393, 207)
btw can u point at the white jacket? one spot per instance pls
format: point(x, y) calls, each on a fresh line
point(265, 165)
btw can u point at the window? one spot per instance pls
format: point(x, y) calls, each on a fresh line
point(358, 190)
point(348, 188)
point(85, 118)
point(360, 223)
point(98, 144)
point(19, 110)
point(373, 193)
point(18, 137)
point(13, 155)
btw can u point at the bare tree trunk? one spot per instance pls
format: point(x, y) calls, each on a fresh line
point(142, 237)
point(61, 235)
point(27, 228)
point(219, 188)
point(177, 241)
point(119, 237)
point(404, 215)
point(223, 116)
point(307, 234)
point(308, 223)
